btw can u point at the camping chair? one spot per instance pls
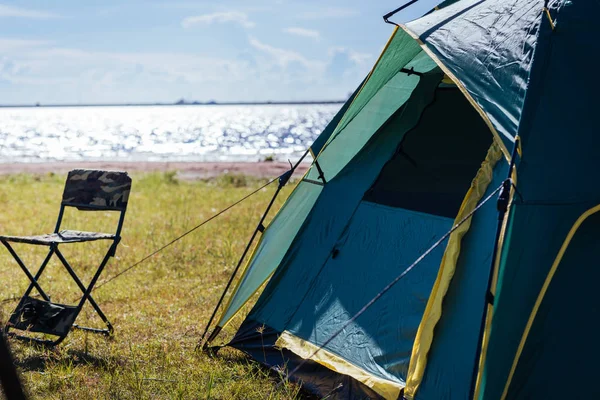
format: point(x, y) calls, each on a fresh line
point(86, 190)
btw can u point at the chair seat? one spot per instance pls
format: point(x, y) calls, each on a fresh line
point(66, 236)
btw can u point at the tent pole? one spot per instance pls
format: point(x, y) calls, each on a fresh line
point(11, 384)
point(502, 206)
point(386, 17)
point(259, 228)
point(283, 180)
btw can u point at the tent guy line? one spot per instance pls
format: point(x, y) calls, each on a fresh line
point(393, 282)
point(172, 241)
point(186, 233)
point(283, 179)
point(260, 227)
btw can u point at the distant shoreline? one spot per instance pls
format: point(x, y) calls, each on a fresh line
point(179, 103)
point(185, 170)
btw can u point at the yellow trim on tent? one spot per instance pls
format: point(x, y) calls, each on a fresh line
point(543, 291)
point(484, 346)
point(305, 349)
point(447, 81)
point(462, 88)
point(433, 311)
point(490, 311)
point(552, 25)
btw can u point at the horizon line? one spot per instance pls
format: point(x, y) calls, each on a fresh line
point(178, 103)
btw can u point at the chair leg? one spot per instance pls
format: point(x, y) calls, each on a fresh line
point(33, 279)
point(87, 292)
point(75, 309)
point(106, 332)
point(33, 284)
point(34, 340)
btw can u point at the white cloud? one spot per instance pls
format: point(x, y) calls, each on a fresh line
point(16, 12)
point(74, 64)
point(347, 65)
point(38, 70)
point(7, 45)
point(329, 13)
point(218, 17)
point(282, 57)
point(354, 56)
point(309, 33)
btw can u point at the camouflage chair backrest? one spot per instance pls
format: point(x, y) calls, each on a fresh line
point(97, 190)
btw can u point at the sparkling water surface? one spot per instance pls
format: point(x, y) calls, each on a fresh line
point(160, 133)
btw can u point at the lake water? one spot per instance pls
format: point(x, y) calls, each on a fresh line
point(160, 133)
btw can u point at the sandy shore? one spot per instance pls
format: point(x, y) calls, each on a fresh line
point(186, 170)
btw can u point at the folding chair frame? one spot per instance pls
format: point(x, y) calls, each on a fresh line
point(73, 311)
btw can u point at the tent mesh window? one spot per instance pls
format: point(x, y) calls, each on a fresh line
point(433, 167)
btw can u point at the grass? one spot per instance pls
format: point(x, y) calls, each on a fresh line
point(158, 309)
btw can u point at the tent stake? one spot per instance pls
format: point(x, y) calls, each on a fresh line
point(502, 206)
point(283, 180)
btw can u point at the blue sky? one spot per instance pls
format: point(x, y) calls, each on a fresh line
point(145, 51)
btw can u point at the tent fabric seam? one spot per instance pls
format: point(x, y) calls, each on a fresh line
point(306, 350)
point(582, 218)
point(433, 310)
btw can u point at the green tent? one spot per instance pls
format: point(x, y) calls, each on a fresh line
point(455, 98)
